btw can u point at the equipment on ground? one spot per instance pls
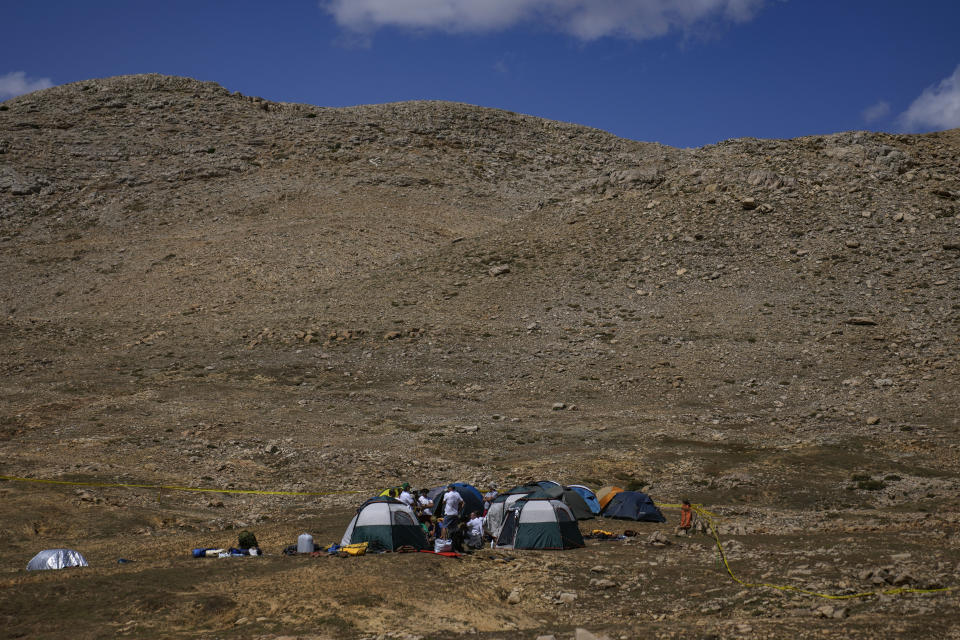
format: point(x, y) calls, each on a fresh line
point(305, 543)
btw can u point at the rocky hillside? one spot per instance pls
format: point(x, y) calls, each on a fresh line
point(201, 287)
point(148, 203)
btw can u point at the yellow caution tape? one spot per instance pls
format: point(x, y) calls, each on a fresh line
point(708, 518)
point(163, 487)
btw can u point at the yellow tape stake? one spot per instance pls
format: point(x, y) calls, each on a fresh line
point(164, 487)
point(708, 517)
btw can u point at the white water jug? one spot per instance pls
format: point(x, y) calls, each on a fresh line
point(305, 543)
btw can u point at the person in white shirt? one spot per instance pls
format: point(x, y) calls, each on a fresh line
point(425, 503)
point(405, 496)
point(452, 503)
point(475, 531)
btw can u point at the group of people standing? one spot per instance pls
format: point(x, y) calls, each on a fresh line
point(445, 519)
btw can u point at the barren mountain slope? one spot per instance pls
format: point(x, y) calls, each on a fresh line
point(205, 289)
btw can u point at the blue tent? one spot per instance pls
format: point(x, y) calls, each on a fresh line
point(633, 505)
point(588, 496)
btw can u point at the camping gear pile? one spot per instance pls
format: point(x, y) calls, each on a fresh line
point(247, 545)
point(232, 552)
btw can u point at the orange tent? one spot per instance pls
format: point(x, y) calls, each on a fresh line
point(605, 495)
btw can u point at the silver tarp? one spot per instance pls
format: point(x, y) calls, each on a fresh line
point(56, 559)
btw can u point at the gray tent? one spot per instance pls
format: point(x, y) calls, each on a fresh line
point(56, 559)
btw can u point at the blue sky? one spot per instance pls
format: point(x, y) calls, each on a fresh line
point(681, 72)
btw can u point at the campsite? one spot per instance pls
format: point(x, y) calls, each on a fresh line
point(164, 590)
point(223, 313)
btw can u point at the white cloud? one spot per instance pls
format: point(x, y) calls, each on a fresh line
point(877, 111)
point(17, 83)
point(585, 19)
point(938, 107)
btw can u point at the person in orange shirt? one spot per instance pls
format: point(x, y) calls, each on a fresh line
point(686, 518)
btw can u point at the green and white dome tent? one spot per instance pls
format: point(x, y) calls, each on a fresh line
point(497, 513)
point(385, 522)
point(539, 523)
